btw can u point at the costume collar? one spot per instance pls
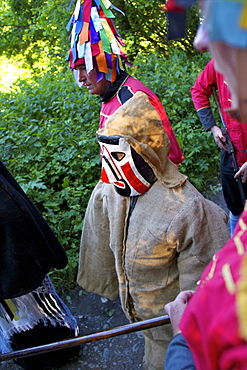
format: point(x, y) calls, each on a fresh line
point(115, 86)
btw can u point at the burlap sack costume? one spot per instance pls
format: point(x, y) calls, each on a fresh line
point(172, 233)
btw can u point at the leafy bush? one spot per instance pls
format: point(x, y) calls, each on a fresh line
point(47, 138)
point(171, 78)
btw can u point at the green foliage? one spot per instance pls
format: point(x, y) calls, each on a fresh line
point(34, 29)
point(37, 29)
point(171, 79)
point(47, 139)
point(110, 313)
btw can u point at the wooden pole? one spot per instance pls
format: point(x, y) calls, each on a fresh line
point(129, 328)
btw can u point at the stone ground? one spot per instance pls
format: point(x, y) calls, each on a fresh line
point(94, 314)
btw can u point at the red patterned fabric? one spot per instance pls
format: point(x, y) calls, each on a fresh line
point(214, 323)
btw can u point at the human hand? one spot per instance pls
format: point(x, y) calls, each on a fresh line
point(219, 137)
point(242, 172)
point(175, 309)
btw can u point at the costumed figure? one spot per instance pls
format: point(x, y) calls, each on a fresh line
point(97, 58)
point(201, 92)
point(31, 312)
point(213, 326)
point(147, 231)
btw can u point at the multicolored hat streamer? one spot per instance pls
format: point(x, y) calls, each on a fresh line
point(95, 40)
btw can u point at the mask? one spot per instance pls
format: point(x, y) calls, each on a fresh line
point(123, 167)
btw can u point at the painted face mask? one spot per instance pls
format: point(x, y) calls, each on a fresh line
point(123, 167)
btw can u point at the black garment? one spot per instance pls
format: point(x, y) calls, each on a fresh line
point(230, 186)
point(114, 86)
point(177, 25)
point(29, 249)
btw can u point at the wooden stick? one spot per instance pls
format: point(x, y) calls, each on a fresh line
point(137, 326)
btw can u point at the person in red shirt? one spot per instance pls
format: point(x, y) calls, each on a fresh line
point(96, 58)
point(201, 92)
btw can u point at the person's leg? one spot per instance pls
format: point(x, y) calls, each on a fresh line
point(156, 344)
point(231, 190)
point(155, 352)
point(233, 219)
